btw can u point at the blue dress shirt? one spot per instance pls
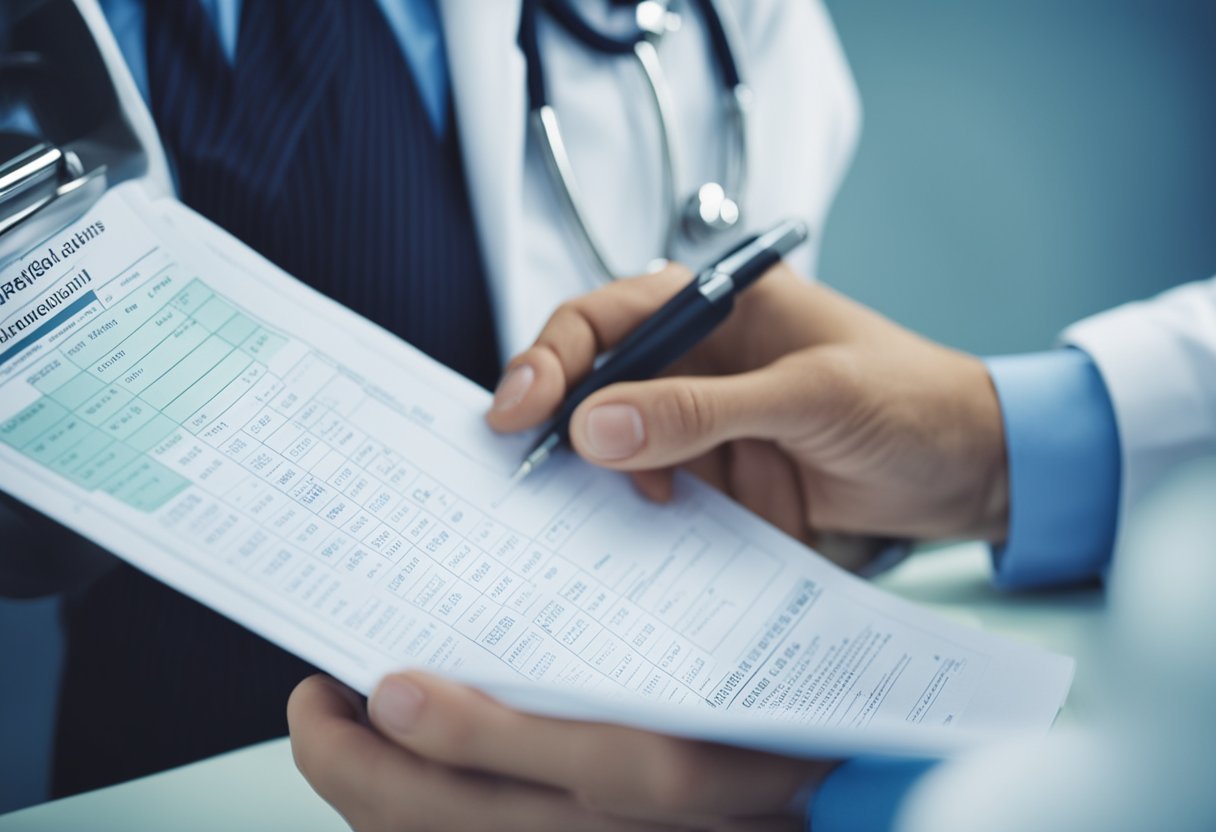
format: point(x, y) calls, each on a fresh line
point(415, 24)
point(1064, 470)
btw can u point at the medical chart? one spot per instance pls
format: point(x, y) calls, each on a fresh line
point(221, 426)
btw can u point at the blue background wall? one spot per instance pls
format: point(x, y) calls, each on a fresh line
point(1023, 164)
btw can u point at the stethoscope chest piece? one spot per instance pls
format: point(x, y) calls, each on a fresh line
point(709, 212)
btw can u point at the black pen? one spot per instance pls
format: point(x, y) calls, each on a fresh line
point(674, 329)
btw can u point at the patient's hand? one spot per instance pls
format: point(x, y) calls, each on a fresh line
point(434, 755)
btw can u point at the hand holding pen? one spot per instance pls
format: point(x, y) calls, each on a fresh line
point(809, 409)
point(674, 329)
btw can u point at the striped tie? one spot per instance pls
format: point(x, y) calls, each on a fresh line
point(315, 149)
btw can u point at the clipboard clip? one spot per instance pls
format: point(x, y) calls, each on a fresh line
point(42, 180)
point(74, 123)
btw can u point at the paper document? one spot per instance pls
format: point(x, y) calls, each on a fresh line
point(171, 395)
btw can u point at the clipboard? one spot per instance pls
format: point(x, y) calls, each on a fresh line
point(78, 124)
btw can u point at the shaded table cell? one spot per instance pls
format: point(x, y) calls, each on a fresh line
point(237, 330)
point(213, 314)
point(184, 338)
point(143, 341)
point(192, 297)
point(126, 422)
point(31, 422)
point(145, 484)
point(66, 434)
point(210, 385)
point(78, 390)
point(52, 375)
point(96, 470)
point(91, 443)
point(104, 405)
point(186, 372)
point(263, 344)
point(147, 437)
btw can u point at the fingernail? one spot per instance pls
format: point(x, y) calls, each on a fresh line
point(614, 431)
point(396, 705)
point(513, 387)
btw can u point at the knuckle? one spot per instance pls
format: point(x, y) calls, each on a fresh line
point(689, 411)
point(566, 311)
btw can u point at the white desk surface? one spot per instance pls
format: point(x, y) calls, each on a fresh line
point(258, 788)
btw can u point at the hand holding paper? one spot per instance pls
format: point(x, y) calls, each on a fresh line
point(445, 756)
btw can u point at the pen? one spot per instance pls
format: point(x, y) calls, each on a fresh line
point(674, 329)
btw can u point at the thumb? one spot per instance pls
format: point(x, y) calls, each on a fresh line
point(668, 421)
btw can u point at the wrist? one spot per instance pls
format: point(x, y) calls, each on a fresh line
point(985, 503)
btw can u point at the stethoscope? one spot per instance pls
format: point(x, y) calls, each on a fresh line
point(714, 207)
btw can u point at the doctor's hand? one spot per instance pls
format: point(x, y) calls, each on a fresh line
point(811, 410)
point(428, 754)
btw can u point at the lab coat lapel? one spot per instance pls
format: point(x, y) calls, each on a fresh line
point(488, 78)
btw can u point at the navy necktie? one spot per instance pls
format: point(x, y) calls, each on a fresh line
point(316, 150)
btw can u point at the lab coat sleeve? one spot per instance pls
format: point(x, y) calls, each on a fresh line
point(1062, 450)
point(1144, 377)
point(1158, 361)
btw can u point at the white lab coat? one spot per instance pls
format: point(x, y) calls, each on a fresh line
point(803, 129)
point(1158, 359)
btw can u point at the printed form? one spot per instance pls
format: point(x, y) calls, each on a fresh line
point(218, 424)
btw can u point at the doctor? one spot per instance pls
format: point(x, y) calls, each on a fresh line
point(823, 416)
point(381, 150)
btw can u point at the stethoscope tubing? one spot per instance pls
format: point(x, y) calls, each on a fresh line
point(642, 45)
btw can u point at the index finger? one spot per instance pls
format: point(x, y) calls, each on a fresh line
point(537, 379)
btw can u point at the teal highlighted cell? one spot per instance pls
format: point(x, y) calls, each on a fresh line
point(144, 484)
point(184, 339)
point(104, 405)
point(78, 390)
point(147, 437)
point(53, 375)
point(102, 465)
point(186, 372)
point(99, 337)
point(91, 443)
point(237, 330)
point(143, 341)
point(263, 344)
point(130, 419)
point(31, 422)
point(213, 314)
point(66, 434)
point(192, 298)
point(226, 398)
point(209, 386)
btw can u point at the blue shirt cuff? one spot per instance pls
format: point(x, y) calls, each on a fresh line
point(1064, 468)
point(865, 794)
